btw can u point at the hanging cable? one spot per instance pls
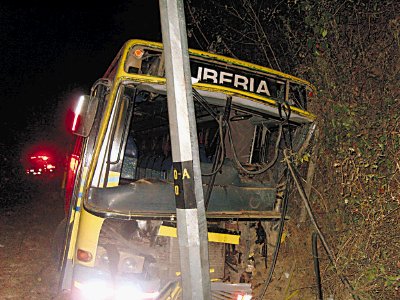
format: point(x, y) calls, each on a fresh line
point(285, 107)
point(316, 265)
point(221, 120)
point(328, 250)
point(278, 241)
point(203, 102)
point(264, 167)
point(220, 152)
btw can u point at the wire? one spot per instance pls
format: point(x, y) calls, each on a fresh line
point(264, 167)
point(282, 219)
point(217, 164)
point(316, 265)
point(285, 107)
point(220, 153)
point(223, 122)
point(278, 241)
point(205, 104)
point(328, 250)
point(285, 198)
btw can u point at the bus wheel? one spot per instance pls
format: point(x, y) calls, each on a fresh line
point(58, 242)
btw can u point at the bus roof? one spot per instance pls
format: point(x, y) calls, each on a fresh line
point(157, 83)
point(133, 42)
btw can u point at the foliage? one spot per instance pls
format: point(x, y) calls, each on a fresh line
point(350, 50)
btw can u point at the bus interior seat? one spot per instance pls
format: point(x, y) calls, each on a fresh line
point(149, 166)
point(141, 170)
point(156, 172)
point(130, 161)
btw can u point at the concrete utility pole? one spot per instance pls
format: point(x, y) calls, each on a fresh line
point(190, 211)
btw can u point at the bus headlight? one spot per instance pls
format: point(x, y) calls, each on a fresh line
point(126, 292)
point(94, 290)
point(101, 290)
point(243, 297)
point(104, 260)
point(127, 264)
point(131, 263)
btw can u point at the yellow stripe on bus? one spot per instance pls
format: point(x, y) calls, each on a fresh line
point(212, 270)
point(225, 238)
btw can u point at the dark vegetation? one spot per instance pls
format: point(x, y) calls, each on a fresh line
point(350, 51)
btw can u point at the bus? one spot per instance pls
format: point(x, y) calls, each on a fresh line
point(120, 233)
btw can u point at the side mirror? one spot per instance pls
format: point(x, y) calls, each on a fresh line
point(84, 114)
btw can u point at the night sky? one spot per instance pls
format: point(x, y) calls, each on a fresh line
point(48, 51)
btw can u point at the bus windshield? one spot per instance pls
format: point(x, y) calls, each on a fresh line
point(245, 115)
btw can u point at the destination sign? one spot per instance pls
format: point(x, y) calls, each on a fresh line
point(227, 75)
point(237, 78)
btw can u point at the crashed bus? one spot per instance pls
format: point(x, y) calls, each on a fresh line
point(120, 235)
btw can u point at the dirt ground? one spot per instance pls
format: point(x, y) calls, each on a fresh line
point(26, 230)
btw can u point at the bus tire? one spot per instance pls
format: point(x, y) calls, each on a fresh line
point(58, 242)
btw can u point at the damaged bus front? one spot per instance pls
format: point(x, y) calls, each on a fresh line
point(120, 239)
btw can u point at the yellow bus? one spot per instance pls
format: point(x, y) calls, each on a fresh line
point(120, 238)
